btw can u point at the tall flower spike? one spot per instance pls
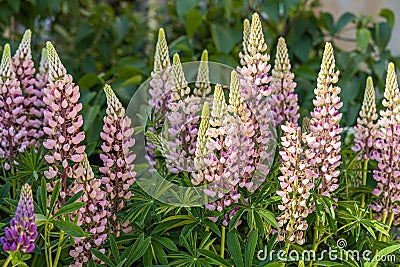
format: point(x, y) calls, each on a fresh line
point(33, 105)
point(245, 42)
point(63, 130)
point(387, 146)
point(366, 128)
point(256, 39)
point(296, 183)
point(201, 146)
point(92, 217)
point(12, 115)
point(283, 100)
point(323, 140)
point(203, 87)
point(118, 167)
point(180, 86)
point(22, 232)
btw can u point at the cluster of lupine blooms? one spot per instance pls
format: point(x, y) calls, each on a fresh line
point(378, 138)
point(233, 143)
point(46, 105)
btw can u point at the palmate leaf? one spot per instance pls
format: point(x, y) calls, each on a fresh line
point(233, 245)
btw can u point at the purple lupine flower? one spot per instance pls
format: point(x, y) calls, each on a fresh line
point(12, 116)
point(63, 135)
point(118, 166)
point(42, 79)
point(296, 182)
point(24, 69)
point(366, 128)
point(324, 138)
point(92, 217)
point(283, 99)
point(387, 145)
point(22, 232)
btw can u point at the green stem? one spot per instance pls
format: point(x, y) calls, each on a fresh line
point(391, 218)
point(49, 259)
point(222, 241)
point(315, 238)
point(7, 261)
point(384, 217)
point(364, 181)
point(59, 248)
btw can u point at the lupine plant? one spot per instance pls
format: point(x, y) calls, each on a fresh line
point(275, 185)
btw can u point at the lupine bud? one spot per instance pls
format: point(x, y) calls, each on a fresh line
point(13, 130)
point(245, 43)
point(203, 87)
point(24, 69)
point(283, 100)
point(296, 182)
point(118, 167)
point(324, 138)
point(92, 217)
point(61, 96)
point(201, 148)
point(387, 146)
point(366, 128)
point(22, 232)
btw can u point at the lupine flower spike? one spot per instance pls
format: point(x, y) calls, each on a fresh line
point(324, 138)
point(24, 69)
point(245, 43)
point(283, 100)
point(366, 128)
point(63, 129)
point(203, 87)
point(92, 217)
point(118, 167)
point(296, 182)
point(12, 115)
point(22, 232)
point(42, 78)
point(388, 147)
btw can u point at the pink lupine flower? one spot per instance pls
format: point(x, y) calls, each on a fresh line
point(283, 99)
point(118, 167)
point(63, 135)
point(92, 217)
point(13, 132)
point(323, 140)
point(42, 78)
point(255, 88)
point(366, 128)
point(296, 182)
point(387, 145)
point(182, 119)
point(245, 43)
point(24, 69)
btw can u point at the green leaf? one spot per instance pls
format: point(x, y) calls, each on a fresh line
point(69, 208)
point(114, 249)
point(137, 250)
point(344, 20)
point(74, 198)
point(234, 248)
point(388, 15)
point(42, 198)
point(69, 228)
point(89, 116)
point(381, 254)
point(269, 217)
point(102, 257)
point(212, 226)
point(271, 7)
point(168, 243)
point(193, 21)
point(363, 37)
point(184, 6)
point(224, 38)
point(40, 219)
point(4, 191)
point(54, 196)
point(87, 81)
point(250, 248)
point(382, 34)
point(214, 256)
point(327, 263)
point(235, 219)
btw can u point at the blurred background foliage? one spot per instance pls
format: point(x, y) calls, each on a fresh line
point(113, 41)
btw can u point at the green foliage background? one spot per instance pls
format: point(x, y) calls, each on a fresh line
point(113, 42)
